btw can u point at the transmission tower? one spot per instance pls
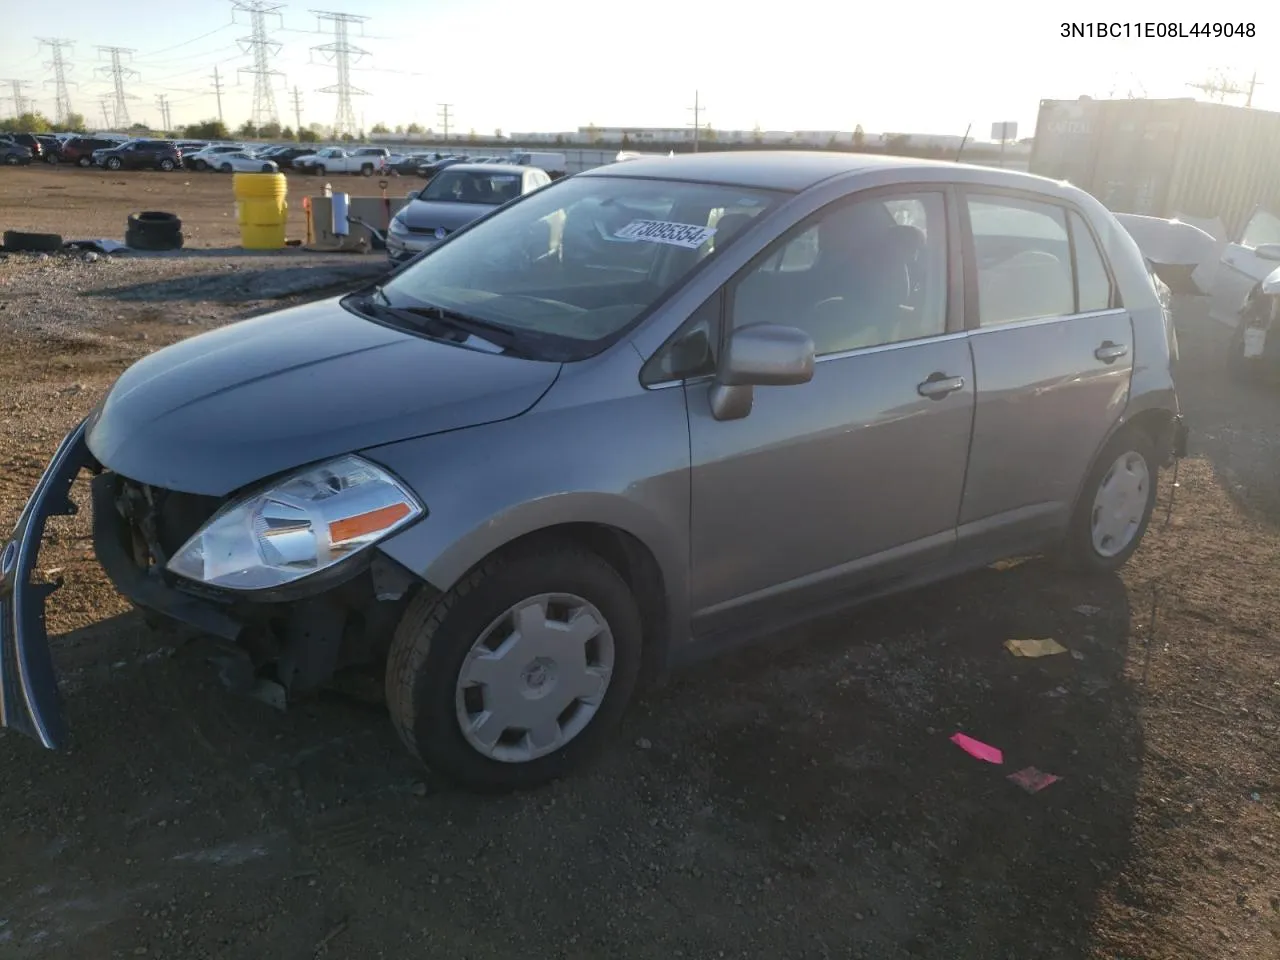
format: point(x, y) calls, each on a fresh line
point(264, 98)
point(119, 73)
point(105, 103)
point(444, 119)
point(19, 101)
point(297, 108)
point(163, 102)
point(62, 105)
point(699, 109)
point(1219, 86)
point(340, 53)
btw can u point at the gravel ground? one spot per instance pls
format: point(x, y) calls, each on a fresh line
point(794, 800)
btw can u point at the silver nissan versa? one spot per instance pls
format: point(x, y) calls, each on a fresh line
point(630, 418)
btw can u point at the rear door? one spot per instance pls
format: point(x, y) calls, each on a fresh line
point(1053, 355)
point(1241, 267)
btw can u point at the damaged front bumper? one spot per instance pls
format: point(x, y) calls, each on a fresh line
point(28, 686)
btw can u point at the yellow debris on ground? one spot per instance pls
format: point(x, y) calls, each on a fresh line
point(1034, 648)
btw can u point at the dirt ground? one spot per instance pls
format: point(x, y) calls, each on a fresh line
point(94, 203)
point(799, 799)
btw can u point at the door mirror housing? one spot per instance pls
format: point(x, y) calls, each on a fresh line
point(759, 355)
point(1268, 251)
point(412, 195)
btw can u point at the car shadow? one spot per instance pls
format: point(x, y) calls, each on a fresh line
point(241, 286)
point(1231, 423)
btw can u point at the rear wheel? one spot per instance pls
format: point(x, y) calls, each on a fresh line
point(266, 168)
point(11, 159)
point(166, 165)
point(113, 163)
point(225, 168)
point(520, 672)
point(1115, 505)
point(366, 170)
point(319, 168)
point(84, 162)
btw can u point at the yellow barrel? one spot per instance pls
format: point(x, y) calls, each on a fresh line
point(262, 208)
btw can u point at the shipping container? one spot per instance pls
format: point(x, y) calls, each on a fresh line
point(1164, 158)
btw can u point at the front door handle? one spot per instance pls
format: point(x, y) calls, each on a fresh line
point(1110, 352)
point(939, 385)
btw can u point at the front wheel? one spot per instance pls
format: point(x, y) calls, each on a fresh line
point(366, 170)
point(11, 159)
point(84, 162)
point(113, 163)
point(225, 168)
point(51, 158)
point(1115, 505)
point(520, 672)
point(319, 169)
point(166, 165)
point(266, 168)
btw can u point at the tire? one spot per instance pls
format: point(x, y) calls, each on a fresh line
point(319, 169)
point(51, 158)
point(198, 165)
point(167, 165)
point(225, 168)
point(1131, 450)
point(18, 241)
point(266, 168)
point(366, 170)
point(112, 163)
point(11, 159)
point(84, 162)
point(153, 230)
point(433, 641)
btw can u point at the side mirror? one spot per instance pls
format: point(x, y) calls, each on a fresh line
point(759, 355)
point(1267, 251)
point(412, 195)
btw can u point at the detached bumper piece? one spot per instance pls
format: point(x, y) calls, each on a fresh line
point(1181, 433)
point(29, 700)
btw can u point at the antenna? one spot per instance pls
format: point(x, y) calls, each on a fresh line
point(340, 53)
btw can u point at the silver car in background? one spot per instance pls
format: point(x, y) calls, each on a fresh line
point(453, 198)
point(629, 419)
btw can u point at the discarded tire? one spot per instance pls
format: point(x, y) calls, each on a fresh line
point(17, 241)
point(153, 230)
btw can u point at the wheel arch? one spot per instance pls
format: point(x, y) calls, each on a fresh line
point(1156, 421)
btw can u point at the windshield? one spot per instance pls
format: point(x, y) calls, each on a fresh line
point(472, 186)
point(581, 259)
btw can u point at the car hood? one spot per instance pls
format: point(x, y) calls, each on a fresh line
point(429, 214)
point(221, 410)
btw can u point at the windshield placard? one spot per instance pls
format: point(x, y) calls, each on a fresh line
point(687, 235)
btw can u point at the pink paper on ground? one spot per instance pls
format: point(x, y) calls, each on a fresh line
point(976, 748)
point(1032, 780)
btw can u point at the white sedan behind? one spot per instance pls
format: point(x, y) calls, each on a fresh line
point(242, 163)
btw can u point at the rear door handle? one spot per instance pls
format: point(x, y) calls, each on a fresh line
point(939, 385)
point(1110, 352)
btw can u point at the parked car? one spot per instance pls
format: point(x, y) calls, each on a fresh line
point(243, 163)
point(452, 200)
point(408, 163)
point(207, 158)
point(140, 155)
point(28, 140)
point(51, 148)
point(12, 154)
point(815, 379)
point(284, 157)
point(365, 161)
point(429, 170)
point(80, 150)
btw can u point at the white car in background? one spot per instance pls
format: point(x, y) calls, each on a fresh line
point(209, 157)
point(243, 163)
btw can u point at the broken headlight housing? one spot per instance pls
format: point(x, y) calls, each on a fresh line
point(306, 523)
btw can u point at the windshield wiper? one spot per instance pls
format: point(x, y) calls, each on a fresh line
point(515, 341)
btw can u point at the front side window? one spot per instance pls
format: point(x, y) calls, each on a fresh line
point(1023, 260)
point(861, 274)
point(472, 186)
point(1263, 227)
point(579, 260)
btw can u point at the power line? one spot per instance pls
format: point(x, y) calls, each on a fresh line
point(62, 100)
point(119, 73)
point(264, 98)
point(340, 53)
point(444, 119)
point(148, 56)
point(20, 102)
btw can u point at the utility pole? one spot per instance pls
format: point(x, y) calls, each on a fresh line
point(1218, 87)
point(1253, 82)
point(163, 102)
point(264, 98)
point(297, 107)
point(444, 119)
point(697, 109)
point(62, 101)
point(340, 53)
point(217, 89)
point(19, 101)
point(118, 73)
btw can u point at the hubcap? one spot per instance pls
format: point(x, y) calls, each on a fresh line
point(1119, 504)
point(535, 678)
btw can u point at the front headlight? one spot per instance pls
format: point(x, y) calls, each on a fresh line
point(398, 225)
point(306, 523)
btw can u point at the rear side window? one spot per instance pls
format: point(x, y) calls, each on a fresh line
point(1093, 285)
point(1023, 260)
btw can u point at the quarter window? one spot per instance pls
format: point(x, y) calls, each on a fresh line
point(1023, 260)
point(1262, 228)
point(1093, 285)
point(861, 274)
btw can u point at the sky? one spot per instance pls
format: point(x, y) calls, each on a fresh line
point(533, 66)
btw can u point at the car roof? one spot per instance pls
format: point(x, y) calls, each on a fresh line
point(489, 167)
point(796, 170)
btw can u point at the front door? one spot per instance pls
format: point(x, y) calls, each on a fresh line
point(1241, 267)
point(1053, 355)
point(826, 489)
